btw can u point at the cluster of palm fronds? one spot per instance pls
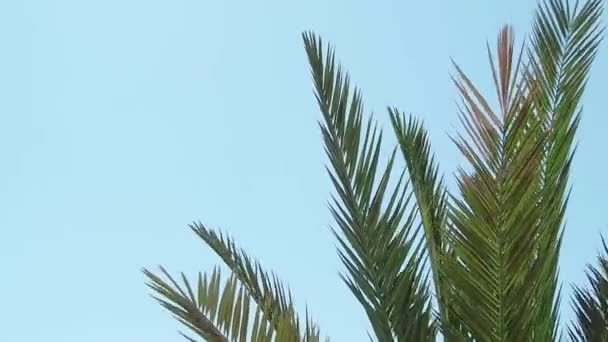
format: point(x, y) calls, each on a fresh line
point(479, 264)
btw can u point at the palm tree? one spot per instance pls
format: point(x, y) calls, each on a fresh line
point(477, 264)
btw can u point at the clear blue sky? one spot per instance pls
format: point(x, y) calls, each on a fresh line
point(123, 121)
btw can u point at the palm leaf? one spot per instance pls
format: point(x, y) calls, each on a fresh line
point(494, 224)
point(275, 313)
point(430, 194)
point(186, 307)
point(265, 288)
point(564, 43)
point(218, 313)
point(375, 227)
point(591, 304)
point(507, 228)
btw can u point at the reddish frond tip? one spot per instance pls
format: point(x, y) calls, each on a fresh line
point(506, 42)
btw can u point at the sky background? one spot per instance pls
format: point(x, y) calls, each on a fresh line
point(123, 121)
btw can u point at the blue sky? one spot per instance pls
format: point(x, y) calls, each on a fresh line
point(123, 121)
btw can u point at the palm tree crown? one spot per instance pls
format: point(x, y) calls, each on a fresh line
point(476, 264)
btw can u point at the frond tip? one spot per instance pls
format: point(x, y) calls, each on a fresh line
point(591, 303)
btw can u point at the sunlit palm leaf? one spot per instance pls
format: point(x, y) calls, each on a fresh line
point(591, 304)
point(264, 288)
point(273, 302)
point(223, 313)
point(376, 228)
point(186, 307)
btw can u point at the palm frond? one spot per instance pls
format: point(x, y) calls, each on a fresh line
point(186, 307)
point(507, 228)
point(384, 264)
point(264, 287)
point(591, 304)
point(273, 301)
point(565, 40)
point(430, 194)
point(493, 226)
point(222, 313)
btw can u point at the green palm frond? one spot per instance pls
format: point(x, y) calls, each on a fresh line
point(265, 288)
point(376, 228)
point(273, 301)
point(189, 309)
point(591, 304)
point(565, 40)
point(494, 224)
point(222, 313)
point(507, 228)
point(430, 194)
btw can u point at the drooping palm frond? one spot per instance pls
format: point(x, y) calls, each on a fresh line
point(264, 288)
point(223, 313)
point(275, 319)
point(190, 310)
point(591, 304)
point(376, 227)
